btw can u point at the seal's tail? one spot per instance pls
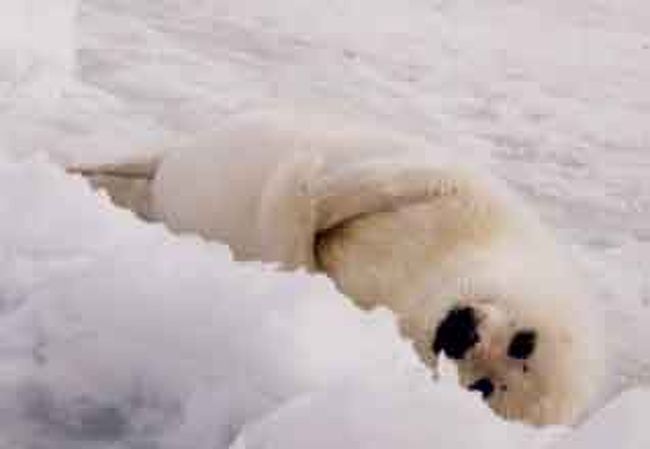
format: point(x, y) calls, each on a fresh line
point(128, 184)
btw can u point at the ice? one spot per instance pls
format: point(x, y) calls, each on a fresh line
point(115, 334)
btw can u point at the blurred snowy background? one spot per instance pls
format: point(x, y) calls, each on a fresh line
point(115, 334)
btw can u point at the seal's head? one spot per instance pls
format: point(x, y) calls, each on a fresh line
point(526, 367)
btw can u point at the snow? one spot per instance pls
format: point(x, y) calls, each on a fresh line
point(398, 417)
point(36, 47)
point(371, 416)
point(118, 334)
point(621, 424)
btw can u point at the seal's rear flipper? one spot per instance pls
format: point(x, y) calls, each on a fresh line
point(128, 184)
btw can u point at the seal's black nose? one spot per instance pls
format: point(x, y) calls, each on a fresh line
point(484, 385)
point(456, 334)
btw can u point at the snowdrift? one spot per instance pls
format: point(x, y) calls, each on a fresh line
point(115, 331)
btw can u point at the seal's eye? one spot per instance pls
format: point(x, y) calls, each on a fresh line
point(457, 333)
point(484, 385)
point(522, 345)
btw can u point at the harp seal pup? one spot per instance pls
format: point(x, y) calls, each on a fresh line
point(467, 268)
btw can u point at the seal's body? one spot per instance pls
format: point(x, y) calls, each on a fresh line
point(467, 268)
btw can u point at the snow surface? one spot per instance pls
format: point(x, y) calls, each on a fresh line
point(118, 334)
point(621, 424)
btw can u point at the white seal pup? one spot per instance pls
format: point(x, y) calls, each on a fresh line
point(466, 267)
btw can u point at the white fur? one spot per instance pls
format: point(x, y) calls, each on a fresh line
point(512, 275)
point(394, 224)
